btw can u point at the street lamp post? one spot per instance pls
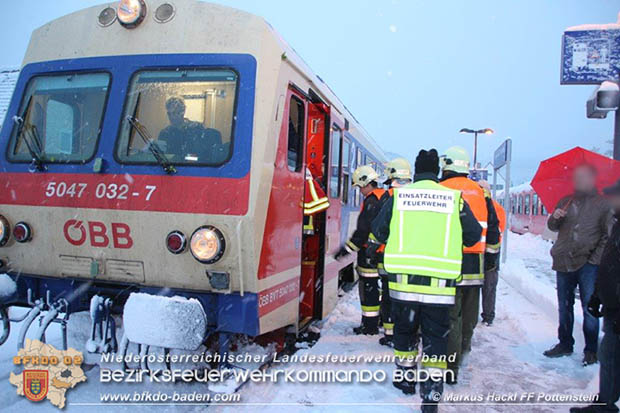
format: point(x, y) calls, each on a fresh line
point(486, 131)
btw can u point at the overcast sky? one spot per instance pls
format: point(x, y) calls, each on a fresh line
point(414, 72)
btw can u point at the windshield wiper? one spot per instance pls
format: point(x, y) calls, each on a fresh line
point(34, 146)
point(158, 154)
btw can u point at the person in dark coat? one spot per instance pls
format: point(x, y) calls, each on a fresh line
point(582, 221)
point(605, 302)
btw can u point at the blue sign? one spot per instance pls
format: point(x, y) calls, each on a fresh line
point(590, 56)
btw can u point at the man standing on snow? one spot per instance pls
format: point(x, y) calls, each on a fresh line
point(464, 314)
point(607, 296)
point(491, 262)
point(582, 221)
point(424, 226)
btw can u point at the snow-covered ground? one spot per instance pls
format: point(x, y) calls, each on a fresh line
point(506, 358)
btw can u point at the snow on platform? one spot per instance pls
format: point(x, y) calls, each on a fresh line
point(505, 358)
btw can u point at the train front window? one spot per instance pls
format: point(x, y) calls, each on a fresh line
point(60, 118)
point(186, 115)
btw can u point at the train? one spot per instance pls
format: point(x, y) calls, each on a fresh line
point(527, 212)
point(154, 153)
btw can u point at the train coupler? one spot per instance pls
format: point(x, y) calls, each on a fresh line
point(103, 327)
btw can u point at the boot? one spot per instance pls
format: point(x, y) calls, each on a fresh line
point(589, 358)
point(386, 341)
point(558, 351)
point(369, 331)
point(406, 386)
point(429, 391)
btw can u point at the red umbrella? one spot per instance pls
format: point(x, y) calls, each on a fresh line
point(553, 180)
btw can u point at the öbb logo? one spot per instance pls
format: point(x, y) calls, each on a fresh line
point(78, 232)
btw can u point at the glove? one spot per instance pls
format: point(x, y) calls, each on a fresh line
point(372, 256)
point(342, 252)
point(490, 261)
point(595, 306)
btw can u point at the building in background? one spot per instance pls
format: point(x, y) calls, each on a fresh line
point(8, 78)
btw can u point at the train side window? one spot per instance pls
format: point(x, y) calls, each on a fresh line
point(360, 159)
point(296, 115)
point(520, 204)
point(346, 170)
point(535, 204)
point(543, 210)
point(512, 205)
point(526, 206)
point(336, 166)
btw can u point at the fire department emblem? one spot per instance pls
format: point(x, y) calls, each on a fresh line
point(35, 384)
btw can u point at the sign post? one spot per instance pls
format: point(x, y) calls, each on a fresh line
point(502, 158)
point(591, 56)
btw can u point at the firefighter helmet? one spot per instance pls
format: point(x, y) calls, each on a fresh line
point(456, 159)
point(364, 175)
point(398, 168)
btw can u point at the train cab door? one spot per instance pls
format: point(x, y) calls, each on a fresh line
point(314, 227)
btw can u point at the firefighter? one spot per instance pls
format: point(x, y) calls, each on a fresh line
point(464, 314)
point(491, 267)
point(424, 226)
point(365, 177)
point(398, 173)
point(315, 201)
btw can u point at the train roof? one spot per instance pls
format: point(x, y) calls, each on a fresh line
point(518, 189)
point(221, 30)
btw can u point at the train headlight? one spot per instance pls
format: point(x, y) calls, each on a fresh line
point(130, 13)
point(22, 232)
point(5, 231)
point(207, 244)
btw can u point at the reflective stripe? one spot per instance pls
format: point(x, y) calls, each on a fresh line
point(370, 313)
point(318, 208)
point(371, 308)
point(469, 283)
point(421, 268)
point(406, 358)
point(388, 329)
point(400, 231)
point(422, 298)
point(446, 242)
point(352, 247)
point(424, 257)
point(367, 272)
point(483, 224)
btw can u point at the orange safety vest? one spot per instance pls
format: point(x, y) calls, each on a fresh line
point(378, 192)
point(474, 195)
point(501, 215)
point(390, 191)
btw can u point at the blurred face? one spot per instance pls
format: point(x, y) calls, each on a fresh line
point(584, 179)
point(176, 113)
point(367, 189)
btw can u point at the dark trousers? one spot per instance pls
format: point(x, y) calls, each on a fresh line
point(567, 282)
point(433, 324)
point(609, 356)
point(489, 293)
point(386, 305)
point(369, 300)
point(463, 320)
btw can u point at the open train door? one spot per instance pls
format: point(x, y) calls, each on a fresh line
point(313, 250)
